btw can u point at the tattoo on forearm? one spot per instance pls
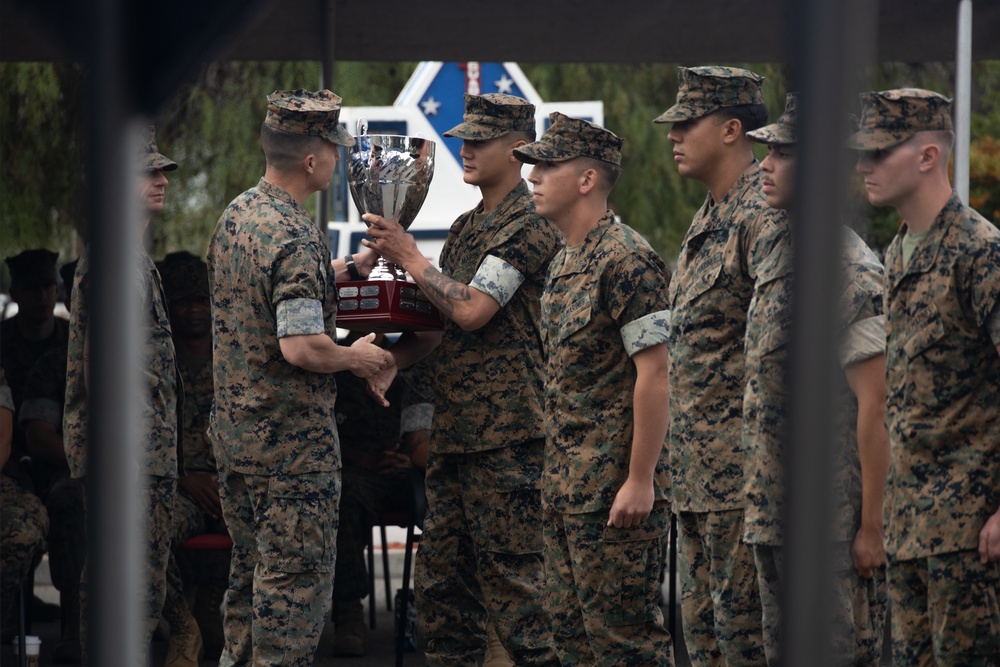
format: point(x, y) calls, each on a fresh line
point(443, 291)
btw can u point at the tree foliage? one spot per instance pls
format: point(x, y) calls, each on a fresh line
point(211, 128)
point(651, 196)
point(42, 196)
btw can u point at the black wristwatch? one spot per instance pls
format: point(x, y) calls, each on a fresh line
point(352, 268)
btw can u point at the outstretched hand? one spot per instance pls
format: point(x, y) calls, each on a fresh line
point(380, 382)
point(369, 359)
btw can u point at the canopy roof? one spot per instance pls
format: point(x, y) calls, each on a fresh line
point(612, 31)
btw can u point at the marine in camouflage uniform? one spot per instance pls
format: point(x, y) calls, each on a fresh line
point(197, 508)
point(272, 423)
point(26, 337)
point(481, 551)
point(156, 456)
point(42, 417)
point(859, 578)
point(942, 299)
point(730, 237)
point(605, 482)
point(23, 520)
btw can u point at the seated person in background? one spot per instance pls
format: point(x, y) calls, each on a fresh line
point(23, 521)
point(41, 417)
point(24, 338)
point(197, 508)
point(377, 448)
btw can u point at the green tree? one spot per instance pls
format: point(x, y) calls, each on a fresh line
point(212, 125)
point(42, 185)
point(651, 196)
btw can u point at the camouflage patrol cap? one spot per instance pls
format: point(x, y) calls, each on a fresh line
point(304, 112)
point(33, 268)
point(494, 115)
point(568, 138)
point(890, 117)
point(781, 131)
point(183, 275)
point(150, 159)
point(703, 90)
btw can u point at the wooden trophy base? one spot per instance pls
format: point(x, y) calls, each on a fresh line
point(385, 306)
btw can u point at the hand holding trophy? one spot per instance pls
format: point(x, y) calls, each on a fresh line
point(388, 175)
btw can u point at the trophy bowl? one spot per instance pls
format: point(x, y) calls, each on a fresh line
point(388, 175)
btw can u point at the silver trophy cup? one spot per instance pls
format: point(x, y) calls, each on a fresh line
point(389, 176)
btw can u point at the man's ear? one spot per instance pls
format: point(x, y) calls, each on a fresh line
point(309, 163)
point(588, 180)
point(516, 144)
point(732, 130)
point(930, 153)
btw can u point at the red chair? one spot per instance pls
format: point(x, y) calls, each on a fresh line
point(208, 542)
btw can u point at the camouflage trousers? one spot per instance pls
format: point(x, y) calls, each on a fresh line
point(23, 525)
point(365, 495)
point(189, 569)
point(604, 588)
point(945, 611)
point(157, 503)
point(720, 602)
point(481, 554)
point(858, 613)
point(284, 533)
point(67, 539)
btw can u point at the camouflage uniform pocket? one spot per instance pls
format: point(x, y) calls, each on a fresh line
point(514, 523)
point(700, 280)
point(984, 601)
point(504, 499)
point(576, 317)
point(296, 529)
point(631, 572)
point(927, 333)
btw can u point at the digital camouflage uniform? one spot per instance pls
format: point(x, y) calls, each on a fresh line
point(273, 425)
point(156, 458)
point(860, 603)
point(481, 552)
point(23, 525)
point(604, 301)
point(44, 394)
point(943, 311)
point(187, 277)
point(31, 269)
point(709, 296)
point(204, 572)
point(24, 529)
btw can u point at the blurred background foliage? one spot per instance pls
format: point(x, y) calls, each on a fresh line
point(211, 126)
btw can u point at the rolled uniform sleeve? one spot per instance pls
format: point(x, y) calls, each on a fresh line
point(301, 279)
point(863, 339)
point(300, 317)
point(498, 279)
point(646, 332)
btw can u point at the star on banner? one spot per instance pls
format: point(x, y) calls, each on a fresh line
point(430, 106)
point(504, 84)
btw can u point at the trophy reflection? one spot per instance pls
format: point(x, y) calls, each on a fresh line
point(388, 175)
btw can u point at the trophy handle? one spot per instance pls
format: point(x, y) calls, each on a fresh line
point(362, 127)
